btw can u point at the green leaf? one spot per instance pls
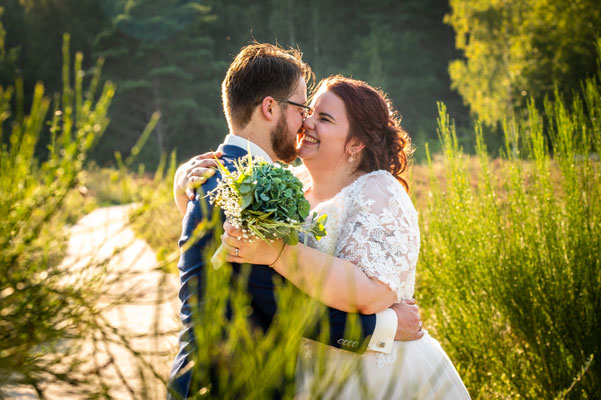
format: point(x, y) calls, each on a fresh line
point(303, 209)
point(322, 219)
point(244, 188)
point(246, 201)
point(292, 238)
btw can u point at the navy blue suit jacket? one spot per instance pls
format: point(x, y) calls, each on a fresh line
point(260, 288)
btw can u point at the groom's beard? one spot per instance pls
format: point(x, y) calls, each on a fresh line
point(283, 144)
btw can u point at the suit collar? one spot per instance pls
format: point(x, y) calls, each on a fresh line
point(247, 145)
point(230, 150)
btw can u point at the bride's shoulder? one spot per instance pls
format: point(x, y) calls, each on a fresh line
point(379, 183)
point(380, 187)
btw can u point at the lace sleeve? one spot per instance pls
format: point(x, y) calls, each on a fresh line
point(380, 232)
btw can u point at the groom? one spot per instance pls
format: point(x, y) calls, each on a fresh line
point(264, 97)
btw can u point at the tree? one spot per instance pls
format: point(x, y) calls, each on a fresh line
point(8, 58)
point(515, 49)
point(35, 29)
point(160, 56)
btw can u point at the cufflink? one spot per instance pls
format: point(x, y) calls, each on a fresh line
point(381, 345)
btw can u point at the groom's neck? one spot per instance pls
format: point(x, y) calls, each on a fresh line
point(258, 135)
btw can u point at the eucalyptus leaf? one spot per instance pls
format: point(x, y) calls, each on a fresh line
point(245, 188)
point(246, 201)
point(292, 238)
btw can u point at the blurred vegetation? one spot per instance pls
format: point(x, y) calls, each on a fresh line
point(171, 56)
point(51, 310)
point(39, 307)
point(518, 50)
point(510, 272)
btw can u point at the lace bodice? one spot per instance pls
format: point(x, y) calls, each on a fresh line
point(373, 224)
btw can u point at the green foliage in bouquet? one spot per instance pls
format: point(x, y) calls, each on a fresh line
point(266, 200)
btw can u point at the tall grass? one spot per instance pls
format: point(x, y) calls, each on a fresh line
point(50, 311)
point(510, 273)
point(38, 309)
point(509, 276)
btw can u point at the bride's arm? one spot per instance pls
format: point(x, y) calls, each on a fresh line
point(190, 175)
point(335, 282)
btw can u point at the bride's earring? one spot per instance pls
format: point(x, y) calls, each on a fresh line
point(351, 158)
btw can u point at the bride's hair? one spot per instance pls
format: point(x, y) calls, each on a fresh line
point(374, 123)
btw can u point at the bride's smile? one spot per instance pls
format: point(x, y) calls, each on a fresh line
point(308, 138)
point(324, 141)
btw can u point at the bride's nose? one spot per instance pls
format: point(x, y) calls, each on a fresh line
point(308, 122)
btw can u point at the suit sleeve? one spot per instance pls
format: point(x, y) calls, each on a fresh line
point(347, 331)
point(192, 243)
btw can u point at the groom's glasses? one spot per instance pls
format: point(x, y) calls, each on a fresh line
point(306, 111)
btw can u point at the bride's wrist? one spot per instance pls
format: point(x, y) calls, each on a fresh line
point(286, 258)
point(279, 256)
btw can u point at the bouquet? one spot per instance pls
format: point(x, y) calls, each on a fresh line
point(266, 201)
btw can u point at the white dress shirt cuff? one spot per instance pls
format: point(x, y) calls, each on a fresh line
point(383, 337)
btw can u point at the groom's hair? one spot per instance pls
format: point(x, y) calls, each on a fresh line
point(258, 71)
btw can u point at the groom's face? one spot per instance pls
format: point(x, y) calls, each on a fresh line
point(283, 136)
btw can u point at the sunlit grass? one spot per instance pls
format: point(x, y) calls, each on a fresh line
point(509, 274)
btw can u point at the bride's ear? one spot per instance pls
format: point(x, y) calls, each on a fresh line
point(354, 146)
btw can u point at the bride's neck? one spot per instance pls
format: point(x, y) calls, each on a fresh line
point(327, 184)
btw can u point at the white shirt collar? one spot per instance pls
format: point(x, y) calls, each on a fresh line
point(247, 145)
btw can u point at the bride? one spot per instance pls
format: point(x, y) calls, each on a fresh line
point(354, 151)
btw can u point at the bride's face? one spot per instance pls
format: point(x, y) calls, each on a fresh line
point(325, 132)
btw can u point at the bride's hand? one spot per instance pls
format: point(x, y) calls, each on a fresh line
point(195, 172)
point(249, 251)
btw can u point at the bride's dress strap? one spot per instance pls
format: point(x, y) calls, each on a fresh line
point(380, 232)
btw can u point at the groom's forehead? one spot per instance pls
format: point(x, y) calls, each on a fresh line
point(301, 90)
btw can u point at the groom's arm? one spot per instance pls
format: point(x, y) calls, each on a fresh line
point(378, 331)
point(375, 332)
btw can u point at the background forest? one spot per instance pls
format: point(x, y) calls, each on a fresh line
point(502, 99)
point(487, 57)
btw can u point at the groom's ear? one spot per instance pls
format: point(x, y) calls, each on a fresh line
point(268, 107)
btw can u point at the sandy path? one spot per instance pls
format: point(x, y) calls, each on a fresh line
point(152, 307)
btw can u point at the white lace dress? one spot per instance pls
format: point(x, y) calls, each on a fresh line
point(373, 224)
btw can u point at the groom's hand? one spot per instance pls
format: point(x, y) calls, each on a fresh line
point(409, 325)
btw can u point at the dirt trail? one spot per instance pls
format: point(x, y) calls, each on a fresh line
point(101, 234)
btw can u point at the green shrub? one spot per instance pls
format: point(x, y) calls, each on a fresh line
point(510, 273)
point(39, 307)
point(157, 219)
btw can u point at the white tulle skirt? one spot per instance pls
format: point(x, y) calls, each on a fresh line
point(415, 370)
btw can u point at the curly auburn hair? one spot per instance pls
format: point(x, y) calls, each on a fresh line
point(374, 123)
